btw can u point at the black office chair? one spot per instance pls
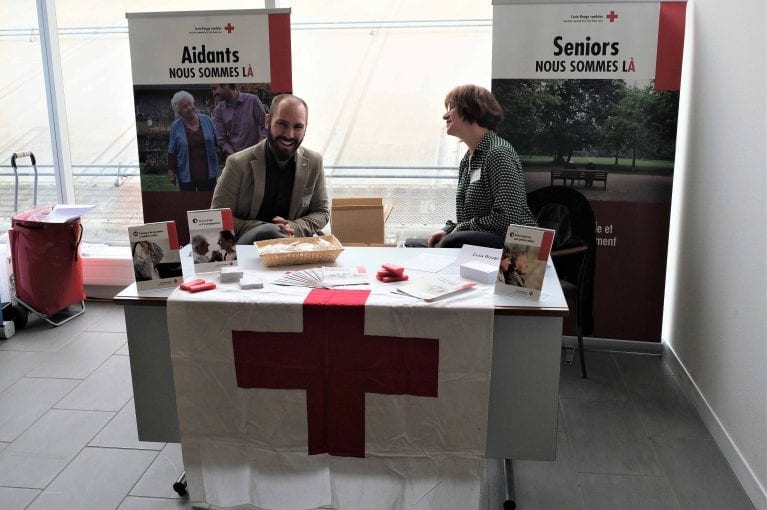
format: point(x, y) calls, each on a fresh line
point(573, 253)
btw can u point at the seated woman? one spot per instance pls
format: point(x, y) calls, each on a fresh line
point(491, 188)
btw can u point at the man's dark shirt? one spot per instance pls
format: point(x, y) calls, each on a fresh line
point(278, 187)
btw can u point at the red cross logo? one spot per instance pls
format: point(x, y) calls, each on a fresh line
point(337, 364)
point(229, 28)
point(612, 16)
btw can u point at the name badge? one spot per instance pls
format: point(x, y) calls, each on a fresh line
point(306, 200)
point(475, 175)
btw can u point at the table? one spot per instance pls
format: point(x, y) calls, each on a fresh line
point(524, 388)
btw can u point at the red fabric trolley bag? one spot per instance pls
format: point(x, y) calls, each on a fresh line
point(47, 265)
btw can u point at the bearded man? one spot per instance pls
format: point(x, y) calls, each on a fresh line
point(276, 188)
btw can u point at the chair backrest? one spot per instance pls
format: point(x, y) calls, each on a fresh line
point(569, 213)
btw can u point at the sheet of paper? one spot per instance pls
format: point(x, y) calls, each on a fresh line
point(65, 213)
point(428, 262)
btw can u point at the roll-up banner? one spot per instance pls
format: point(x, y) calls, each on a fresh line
point(196, 57)
point(591, 96)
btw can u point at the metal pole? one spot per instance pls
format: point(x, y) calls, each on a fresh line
point(54, 92)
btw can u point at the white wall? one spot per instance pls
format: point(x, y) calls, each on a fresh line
point(716, 300)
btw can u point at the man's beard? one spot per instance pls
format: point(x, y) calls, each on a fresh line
point(281, 152)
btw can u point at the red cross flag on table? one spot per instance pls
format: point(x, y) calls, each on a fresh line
point(302, 399)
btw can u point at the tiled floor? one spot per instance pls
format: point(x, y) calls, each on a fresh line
point(628, 438)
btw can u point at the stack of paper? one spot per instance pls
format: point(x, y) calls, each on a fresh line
point(325, 277)
point(434, 287)
point(251, 281)
point(230, 274)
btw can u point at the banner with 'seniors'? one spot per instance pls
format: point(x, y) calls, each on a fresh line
point(591, 97)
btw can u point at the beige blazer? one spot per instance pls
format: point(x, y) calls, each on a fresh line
point(241, 188)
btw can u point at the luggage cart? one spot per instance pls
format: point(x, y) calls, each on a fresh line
point(47, 266)
point(14, 157)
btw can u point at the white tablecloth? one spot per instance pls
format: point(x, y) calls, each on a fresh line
point(249, 446)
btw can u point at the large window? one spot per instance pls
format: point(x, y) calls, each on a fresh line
point(374, 74)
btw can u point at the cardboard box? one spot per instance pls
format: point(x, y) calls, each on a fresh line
point(359, 220)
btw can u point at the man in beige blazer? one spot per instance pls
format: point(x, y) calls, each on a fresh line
point(275, 188)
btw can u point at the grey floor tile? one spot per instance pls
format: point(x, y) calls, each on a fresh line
point(159, 478)
point(27, 400)
point(627, 492)
point(604, 381)
point(546, 485)
point(3, 445)
point(136, 503)
point(40, 336)
point(43, 450)
point(15, 364)
point(98, 478)
point(12, 498)
point(638, 368)
point(606, 436)
point(79, 358)
point(700, 475)
point(123, 351)
point(108, 388)
point(665, 410)
point(111, 318)
point(121, 432)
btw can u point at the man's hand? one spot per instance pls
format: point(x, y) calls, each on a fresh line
point(172, 176)
point(283, 225)
point(435, 238)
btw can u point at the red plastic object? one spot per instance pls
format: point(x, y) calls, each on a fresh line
point(394, 270)
point(390, 278)
point(202, 286)
point(191, 283)
point(46, 262)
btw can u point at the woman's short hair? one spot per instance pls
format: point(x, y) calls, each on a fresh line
point(475, 104)
point(178, 97)
point(226, 235)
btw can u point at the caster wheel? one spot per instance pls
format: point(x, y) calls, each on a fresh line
point(180, 488)
point(20, 317)
point(509, 505)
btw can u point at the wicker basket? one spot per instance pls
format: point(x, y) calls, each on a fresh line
point(293, 258)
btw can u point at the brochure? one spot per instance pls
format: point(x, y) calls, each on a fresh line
point(156, 259)
point(523, 261)
point(211, 232)
point(430, 288)
point(325, 277)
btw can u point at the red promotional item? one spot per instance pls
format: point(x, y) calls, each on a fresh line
point(191, 283)
point(46, 262)
point(394, 270)
point(389, 279)
point(390, 273)
point(201, 286)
